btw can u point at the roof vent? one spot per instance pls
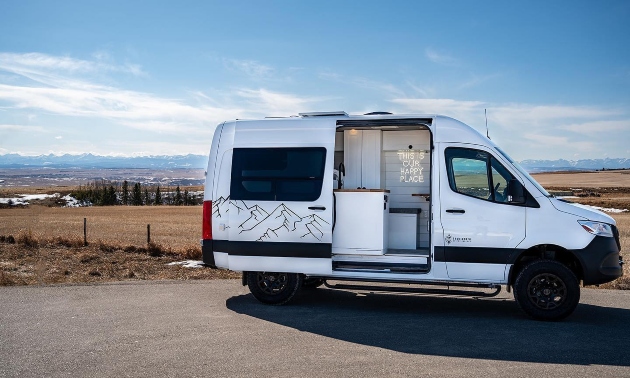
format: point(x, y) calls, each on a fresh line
point(378, 113)
point(324, 114)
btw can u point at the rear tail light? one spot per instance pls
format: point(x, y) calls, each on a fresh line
point(207, 220)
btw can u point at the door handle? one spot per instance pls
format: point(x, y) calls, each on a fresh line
point(457, 211)
point(316, 208)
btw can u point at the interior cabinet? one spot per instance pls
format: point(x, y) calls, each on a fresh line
point(362, 158)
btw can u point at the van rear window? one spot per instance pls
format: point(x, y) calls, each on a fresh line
point(277, 174)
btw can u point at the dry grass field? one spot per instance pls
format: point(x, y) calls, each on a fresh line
point(171, 226)
point(623, 223)
point(44, 245)
point(600, 179)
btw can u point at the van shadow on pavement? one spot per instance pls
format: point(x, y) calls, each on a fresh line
point(493, 329)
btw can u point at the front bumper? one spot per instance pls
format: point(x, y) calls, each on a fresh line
point(600, 260)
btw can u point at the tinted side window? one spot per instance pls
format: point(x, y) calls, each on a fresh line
point(277, 174)
point(476, 173)
point(468, 172)
point(500, 179)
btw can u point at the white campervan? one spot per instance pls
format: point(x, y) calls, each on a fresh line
point(423, 199)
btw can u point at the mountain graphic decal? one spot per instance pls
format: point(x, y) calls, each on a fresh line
point(281, 221)
point(279, 224)
point(220, 207)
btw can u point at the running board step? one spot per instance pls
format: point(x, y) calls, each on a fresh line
point(420, 290)
point(380, 266)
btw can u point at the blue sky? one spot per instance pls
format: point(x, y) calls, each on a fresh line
point(155, 77)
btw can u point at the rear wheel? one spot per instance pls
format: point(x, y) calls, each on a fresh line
point(273, 288)
point(547, 290)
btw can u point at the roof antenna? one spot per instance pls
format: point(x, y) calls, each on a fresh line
point(485, 113)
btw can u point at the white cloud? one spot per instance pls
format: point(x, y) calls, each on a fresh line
point(440, 57)
point(424, 91)
point(361, 82)
point(451, 107)
point(596, 127)
point(510, 113)
point(131, 108)
point(29, 64)
point(20, 128)
point(58, 137)
point(550, 141)
point(476, 80)
point(282, 103)
point(65, 94)
point(536, 131)
point(249, 67)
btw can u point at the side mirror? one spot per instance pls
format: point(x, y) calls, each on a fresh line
point(515, 192)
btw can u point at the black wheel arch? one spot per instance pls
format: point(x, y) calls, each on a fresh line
point(546, 252)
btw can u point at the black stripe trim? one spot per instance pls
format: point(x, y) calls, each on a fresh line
point(476, 255)
point(274, 249)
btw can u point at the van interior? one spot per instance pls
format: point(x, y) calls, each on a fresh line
point(382, 198)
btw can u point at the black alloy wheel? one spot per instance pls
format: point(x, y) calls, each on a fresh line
point(273, 288)
point(547, 290)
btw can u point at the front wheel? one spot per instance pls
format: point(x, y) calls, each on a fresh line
point(273, 288)
point(547, 290)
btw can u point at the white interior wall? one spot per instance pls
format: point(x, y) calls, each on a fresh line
point(405, 171)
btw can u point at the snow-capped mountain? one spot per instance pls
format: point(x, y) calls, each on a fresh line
point(574, 165)
point(89, 161)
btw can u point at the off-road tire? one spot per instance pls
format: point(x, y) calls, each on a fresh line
point(547, 290)
point(273, 288)
point(312, 283)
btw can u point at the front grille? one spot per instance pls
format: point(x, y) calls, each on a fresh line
point(616, 235)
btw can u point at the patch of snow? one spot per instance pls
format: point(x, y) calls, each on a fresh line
point(188, 263)
point(24, 199)
point(608, 209)
point(565, 197)
point(72, 202)
point(14, 201)
point(37, 197)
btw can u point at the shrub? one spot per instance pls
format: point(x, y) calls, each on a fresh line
point(69, 243)
point(191, 253)
point(27, 239)
point(6, 279)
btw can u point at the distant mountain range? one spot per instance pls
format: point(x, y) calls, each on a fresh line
point(534, 166)
point(89, 161)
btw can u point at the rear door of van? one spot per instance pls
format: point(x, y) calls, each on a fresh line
point(280, 197)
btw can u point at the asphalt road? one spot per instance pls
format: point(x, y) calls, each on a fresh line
point(216, 328)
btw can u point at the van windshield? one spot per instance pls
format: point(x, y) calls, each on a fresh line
point(524, 173)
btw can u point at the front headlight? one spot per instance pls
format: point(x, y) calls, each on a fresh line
point(597, 228)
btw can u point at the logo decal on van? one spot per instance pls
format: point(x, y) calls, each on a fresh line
point(454, 239)
point(448, 239)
